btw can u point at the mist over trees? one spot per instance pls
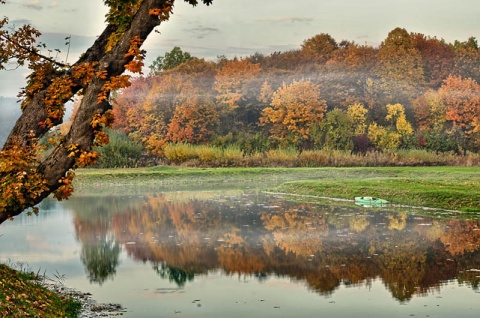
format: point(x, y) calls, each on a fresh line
point(413, 91)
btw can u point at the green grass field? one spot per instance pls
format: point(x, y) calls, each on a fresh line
point(453, 188)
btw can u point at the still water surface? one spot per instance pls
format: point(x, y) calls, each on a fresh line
point(239, 254)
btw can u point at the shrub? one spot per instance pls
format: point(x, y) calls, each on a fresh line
point(313, 158)
point(179, 152)
point(208, 154)
point(286, 157)
point(231, 156)
point(121, 151)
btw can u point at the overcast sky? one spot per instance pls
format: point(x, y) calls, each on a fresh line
point(243, 27)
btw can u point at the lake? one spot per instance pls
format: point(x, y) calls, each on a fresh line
point(246, 253)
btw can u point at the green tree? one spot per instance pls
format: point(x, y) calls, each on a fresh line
point(336, 131)
point(100, 259)
point(170, 60)
point(121, 151)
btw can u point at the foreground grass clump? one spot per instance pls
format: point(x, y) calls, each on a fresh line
point(22, 295)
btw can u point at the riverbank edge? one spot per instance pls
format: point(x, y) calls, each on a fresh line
point(27, 294)
point(443, 187)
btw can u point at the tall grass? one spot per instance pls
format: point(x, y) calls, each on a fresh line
point(179, 152)
point(283, 157)
point(202, 155)
point(233, 156)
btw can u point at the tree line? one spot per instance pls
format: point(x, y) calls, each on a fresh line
point(412, 91)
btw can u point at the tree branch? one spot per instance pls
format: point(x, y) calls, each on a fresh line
point(32, 51)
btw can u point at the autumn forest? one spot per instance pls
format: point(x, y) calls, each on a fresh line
point(411, 92)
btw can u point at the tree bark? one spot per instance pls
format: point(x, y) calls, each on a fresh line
point(81, 133)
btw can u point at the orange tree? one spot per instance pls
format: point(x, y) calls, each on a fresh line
point(294, 110)
point(237, 85)
point(26, 181)
point(462, 102)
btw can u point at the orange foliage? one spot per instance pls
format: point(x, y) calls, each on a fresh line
point(193, 122)
point(438, 58)
point(232, 81)
point(137, 55)
point(163, 13)
point(66, 188)
point(462, 99)
point(20, 183)
point(294, 110)
point(115, 83)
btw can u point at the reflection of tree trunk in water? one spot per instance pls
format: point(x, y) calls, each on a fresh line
point(100, 259)
point(173, 274)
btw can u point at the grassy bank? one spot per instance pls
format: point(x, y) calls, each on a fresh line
point(22, 295)
point(456, 188)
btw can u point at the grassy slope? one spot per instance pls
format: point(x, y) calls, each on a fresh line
point(22, 296)
point(447, 188)
point(456, 188)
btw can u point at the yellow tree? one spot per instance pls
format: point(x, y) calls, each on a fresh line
point(382, 138)
point(398, 134)
point(358, 114)
point(396, 116)
point(294, 109)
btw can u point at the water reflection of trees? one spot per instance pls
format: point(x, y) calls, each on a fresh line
point(100, 259)
point(325, 246)
point(100, 249)
point(173, 274)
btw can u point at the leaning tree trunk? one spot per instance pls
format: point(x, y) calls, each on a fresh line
point(82, 133)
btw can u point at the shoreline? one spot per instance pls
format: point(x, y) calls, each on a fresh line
point(90, 308)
